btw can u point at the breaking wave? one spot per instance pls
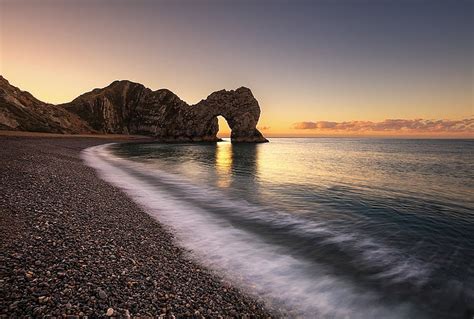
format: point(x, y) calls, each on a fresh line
point(304, 267)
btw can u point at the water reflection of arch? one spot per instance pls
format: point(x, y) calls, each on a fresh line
point(237, 165)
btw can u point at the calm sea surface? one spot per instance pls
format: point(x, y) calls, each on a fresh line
point(322, 227)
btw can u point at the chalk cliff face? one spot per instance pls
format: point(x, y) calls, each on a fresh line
point(130, 108)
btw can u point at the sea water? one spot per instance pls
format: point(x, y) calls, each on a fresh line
point(317, 227)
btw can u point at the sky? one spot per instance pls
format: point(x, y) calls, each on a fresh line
point(317, 68)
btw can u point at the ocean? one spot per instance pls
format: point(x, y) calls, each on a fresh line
point(317, 227)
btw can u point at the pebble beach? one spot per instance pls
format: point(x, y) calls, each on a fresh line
point(72, 245)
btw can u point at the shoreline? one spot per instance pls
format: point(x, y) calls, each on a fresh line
point(114, 137)
point(73, 245)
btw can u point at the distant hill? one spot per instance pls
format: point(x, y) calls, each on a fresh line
point(126, 107)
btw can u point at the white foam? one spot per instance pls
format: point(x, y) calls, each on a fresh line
point(242, 257)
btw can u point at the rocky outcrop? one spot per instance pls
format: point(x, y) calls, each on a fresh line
point(126, 107)
point(239, 108)
point(19, 110)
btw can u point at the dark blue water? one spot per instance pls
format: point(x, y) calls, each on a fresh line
point(325, 227)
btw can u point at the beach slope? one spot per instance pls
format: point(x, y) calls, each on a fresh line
point(71, 244)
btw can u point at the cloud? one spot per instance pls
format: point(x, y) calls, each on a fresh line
point(391, 125)
point(264, 128)
point(314, 125)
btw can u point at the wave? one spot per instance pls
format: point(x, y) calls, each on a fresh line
point(274, 255)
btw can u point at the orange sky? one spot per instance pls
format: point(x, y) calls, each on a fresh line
point(305, 64)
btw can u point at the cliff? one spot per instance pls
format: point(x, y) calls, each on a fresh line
point(21, 111)
point(126, 107)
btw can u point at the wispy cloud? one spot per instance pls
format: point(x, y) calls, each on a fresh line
point(391, 125)
point(264, 128)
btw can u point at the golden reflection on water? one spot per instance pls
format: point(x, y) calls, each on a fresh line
point(224, 164)
point(276, 165)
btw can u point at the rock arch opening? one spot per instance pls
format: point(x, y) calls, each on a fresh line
point(223, 129)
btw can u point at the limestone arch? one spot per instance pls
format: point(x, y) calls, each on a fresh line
point(240, 110)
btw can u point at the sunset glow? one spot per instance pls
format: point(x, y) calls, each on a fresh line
point(237, 159)
point(311, 62)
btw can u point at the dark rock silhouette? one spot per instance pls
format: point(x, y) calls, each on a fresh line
point(126, 107)
point(239, 108)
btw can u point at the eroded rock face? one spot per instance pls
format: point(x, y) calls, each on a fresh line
point(130, 108)
point(125, 107)
point(21, 111)
point(239, 108)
